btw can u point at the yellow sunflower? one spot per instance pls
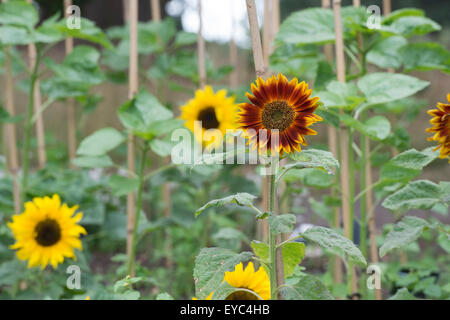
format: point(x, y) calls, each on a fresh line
point(441, 125)
point(254, 285)
point(277, 104)
point(213, 110)
point(251, 285)
point(46, 232)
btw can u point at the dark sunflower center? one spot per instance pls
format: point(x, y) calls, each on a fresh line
point(208, 118)
point(277, 115)
point(242, 295)
point(47, 232)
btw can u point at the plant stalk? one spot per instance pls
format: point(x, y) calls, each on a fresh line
point(131, 259)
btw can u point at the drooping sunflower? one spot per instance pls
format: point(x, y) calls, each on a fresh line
point(278, 104)
point(254, 285)
point(250, 285)
point(441, 127)
point(213, 110)
point(46, 232)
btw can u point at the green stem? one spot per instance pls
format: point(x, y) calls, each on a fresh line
point(29, 124)
point(363, 225)
point(272, 243)
point(131, 260)
point(352, 204)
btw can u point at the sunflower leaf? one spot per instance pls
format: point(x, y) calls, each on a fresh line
point(242, 199)
point(409, 229)
point(330, 239)
point(307, 287)
point(382, 87)
point(210, 267)
point(420, 194)
point(283, 223)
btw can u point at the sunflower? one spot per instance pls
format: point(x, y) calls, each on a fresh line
point(46, 232)
point(278, 105)
point(254, 285)
point(213, 110)
point(441, 125)
point(250, 285)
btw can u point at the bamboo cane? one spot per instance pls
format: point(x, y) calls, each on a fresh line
point(333, 147)
point(344, 140)
point(267, 33)
point(132, 90)
point(261, 71)
point(201, 48)
point(156, 10)
point(40, 132)
point(10, 131)
point(233, 54)
point(71, 112)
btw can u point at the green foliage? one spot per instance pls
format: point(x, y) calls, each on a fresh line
point(306, 287)
point(335, 242)
point(241, 199)
point(100, 142)
point(210, 267)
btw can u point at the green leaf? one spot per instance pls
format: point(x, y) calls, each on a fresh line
point(314, 25)
point(409, 229)
point(210, 267)
point(402, 294)
point(10, 35)
point(146, 117)
point(93, 162)
point(261, 250)
point(425, 56)
point(413, 26)
point(444, 191)
point(313, 158)
point(121, 185)
point(88, 31)
point(18, 13)
point(100, 142)
point(161, 147)
point(339, 94)
point(377, 127)
point(386, 53)
point(311, 177)
point(241, 199)
point(185, 38)
point(307, 287)
point(395, 15)
point(407, 165)
point(420, 194)
point(381, 87)
point(164, 296)
point(293, 254)
point(283, 223)
point(330, 239)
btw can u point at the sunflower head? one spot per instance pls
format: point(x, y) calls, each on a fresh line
point(441, 127)
point(209, 115)
point(46, 232)
point(278, 115)
point(254, 285)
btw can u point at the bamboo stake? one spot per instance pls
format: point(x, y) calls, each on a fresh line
point(267, 33)
point(333, 147)
point(132, 90)
point(261, 71)
point(71, 112)
point(275, 21)
point(156, 10)
point(234, 75)
point(10, 130)
point(344, 140)
point(40, 132)
point(126, 10)
point(166, 192)
point(201, 48)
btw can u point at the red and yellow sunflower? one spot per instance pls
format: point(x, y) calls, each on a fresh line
point(441, 127)
point(284, 109)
